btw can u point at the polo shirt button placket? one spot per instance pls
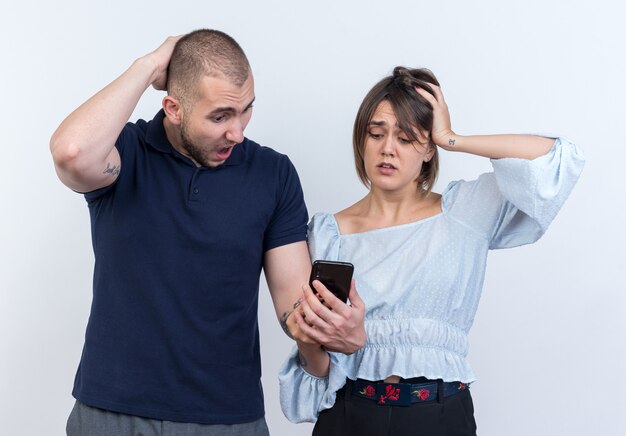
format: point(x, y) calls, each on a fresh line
point(194, 183)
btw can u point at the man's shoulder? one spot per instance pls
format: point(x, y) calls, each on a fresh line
point(266, 158)
point(258, 151)
point(141, 126)
point(145, 131)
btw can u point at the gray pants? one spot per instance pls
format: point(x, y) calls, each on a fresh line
point(90, 421)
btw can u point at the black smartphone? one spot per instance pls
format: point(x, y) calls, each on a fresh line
point(336, 276)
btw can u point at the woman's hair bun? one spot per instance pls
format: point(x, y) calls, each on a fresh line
point(413, 77)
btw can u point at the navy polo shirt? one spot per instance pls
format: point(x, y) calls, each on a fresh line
point(173, 331)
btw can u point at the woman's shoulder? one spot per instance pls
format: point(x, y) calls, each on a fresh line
point(458, 191)
point(323, 222)
point(349, 220)
point(323, 236)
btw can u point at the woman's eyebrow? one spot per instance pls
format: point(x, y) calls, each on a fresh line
point(377, 123)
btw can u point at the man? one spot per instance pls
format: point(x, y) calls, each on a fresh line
point(185, 212)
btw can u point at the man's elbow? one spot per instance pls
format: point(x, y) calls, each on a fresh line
point(65, 153)
point(70, 164)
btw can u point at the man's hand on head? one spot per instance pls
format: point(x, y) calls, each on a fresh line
point(161, 58)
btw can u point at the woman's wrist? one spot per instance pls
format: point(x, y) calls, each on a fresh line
point(313, 359)
point(448, 141)
point(310, 348)
point(498, 146)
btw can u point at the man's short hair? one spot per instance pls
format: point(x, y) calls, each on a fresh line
point(204, 52)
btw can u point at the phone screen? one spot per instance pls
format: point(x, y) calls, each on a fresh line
point(336, 276)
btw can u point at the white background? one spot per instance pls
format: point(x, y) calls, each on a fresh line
point(548, 343)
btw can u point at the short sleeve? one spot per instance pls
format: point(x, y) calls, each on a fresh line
point(289, 220)
point(127, 136)
point(516, 203)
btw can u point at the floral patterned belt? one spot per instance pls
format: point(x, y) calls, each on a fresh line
point(404, 394)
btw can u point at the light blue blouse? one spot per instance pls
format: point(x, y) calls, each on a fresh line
point(421, 281)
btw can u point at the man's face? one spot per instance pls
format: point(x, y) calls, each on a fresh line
point(215, 123)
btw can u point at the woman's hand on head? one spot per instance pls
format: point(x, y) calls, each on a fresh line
point(441, 133)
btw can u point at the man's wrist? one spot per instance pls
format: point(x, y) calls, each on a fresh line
point(285, 317)
point(146, 67)
point(284, 323)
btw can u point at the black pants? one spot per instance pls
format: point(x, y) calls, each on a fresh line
point(351, 415)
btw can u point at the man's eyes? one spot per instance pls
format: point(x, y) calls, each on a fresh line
point(225, 116)
point(219, 118)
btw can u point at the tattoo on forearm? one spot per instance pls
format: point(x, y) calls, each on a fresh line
point(114, 170)
point(302, 359)
point(283, 324)
point(451, 142)
point(296, 304)
point(283, 318)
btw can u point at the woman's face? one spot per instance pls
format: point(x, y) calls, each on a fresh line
point(392, 160)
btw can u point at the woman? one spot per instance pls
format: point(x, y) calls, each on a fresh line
point(420, 261)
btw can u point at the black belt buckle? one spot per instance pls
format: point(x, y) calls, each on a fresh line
point(394, 394)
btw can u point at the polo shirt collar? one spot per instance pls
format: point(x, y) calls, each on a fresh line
point(157, 138)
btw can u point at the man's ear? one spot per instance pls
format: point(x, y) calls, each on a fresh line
point(173, 110)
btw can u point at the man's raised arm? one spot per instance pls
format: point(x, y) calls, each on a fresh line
point(83, 146)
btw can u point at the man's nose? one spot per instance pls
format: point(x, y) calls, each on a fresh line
point(235, 132)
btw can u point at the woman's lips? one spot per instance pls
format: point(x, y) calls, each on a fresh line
point(386, 168)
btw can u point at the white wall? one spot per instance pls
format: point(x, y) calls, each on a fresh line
point(548, 344)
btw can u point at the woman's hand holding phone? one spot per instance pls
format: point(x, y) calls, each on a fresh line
point(336, 276)
point(332, 323)
point(294, 330)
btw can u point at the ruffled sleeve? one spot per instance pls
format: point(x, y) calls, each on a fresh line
point(300, 392)
point(302, 395)
point(323, 237)
point(516, 203)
